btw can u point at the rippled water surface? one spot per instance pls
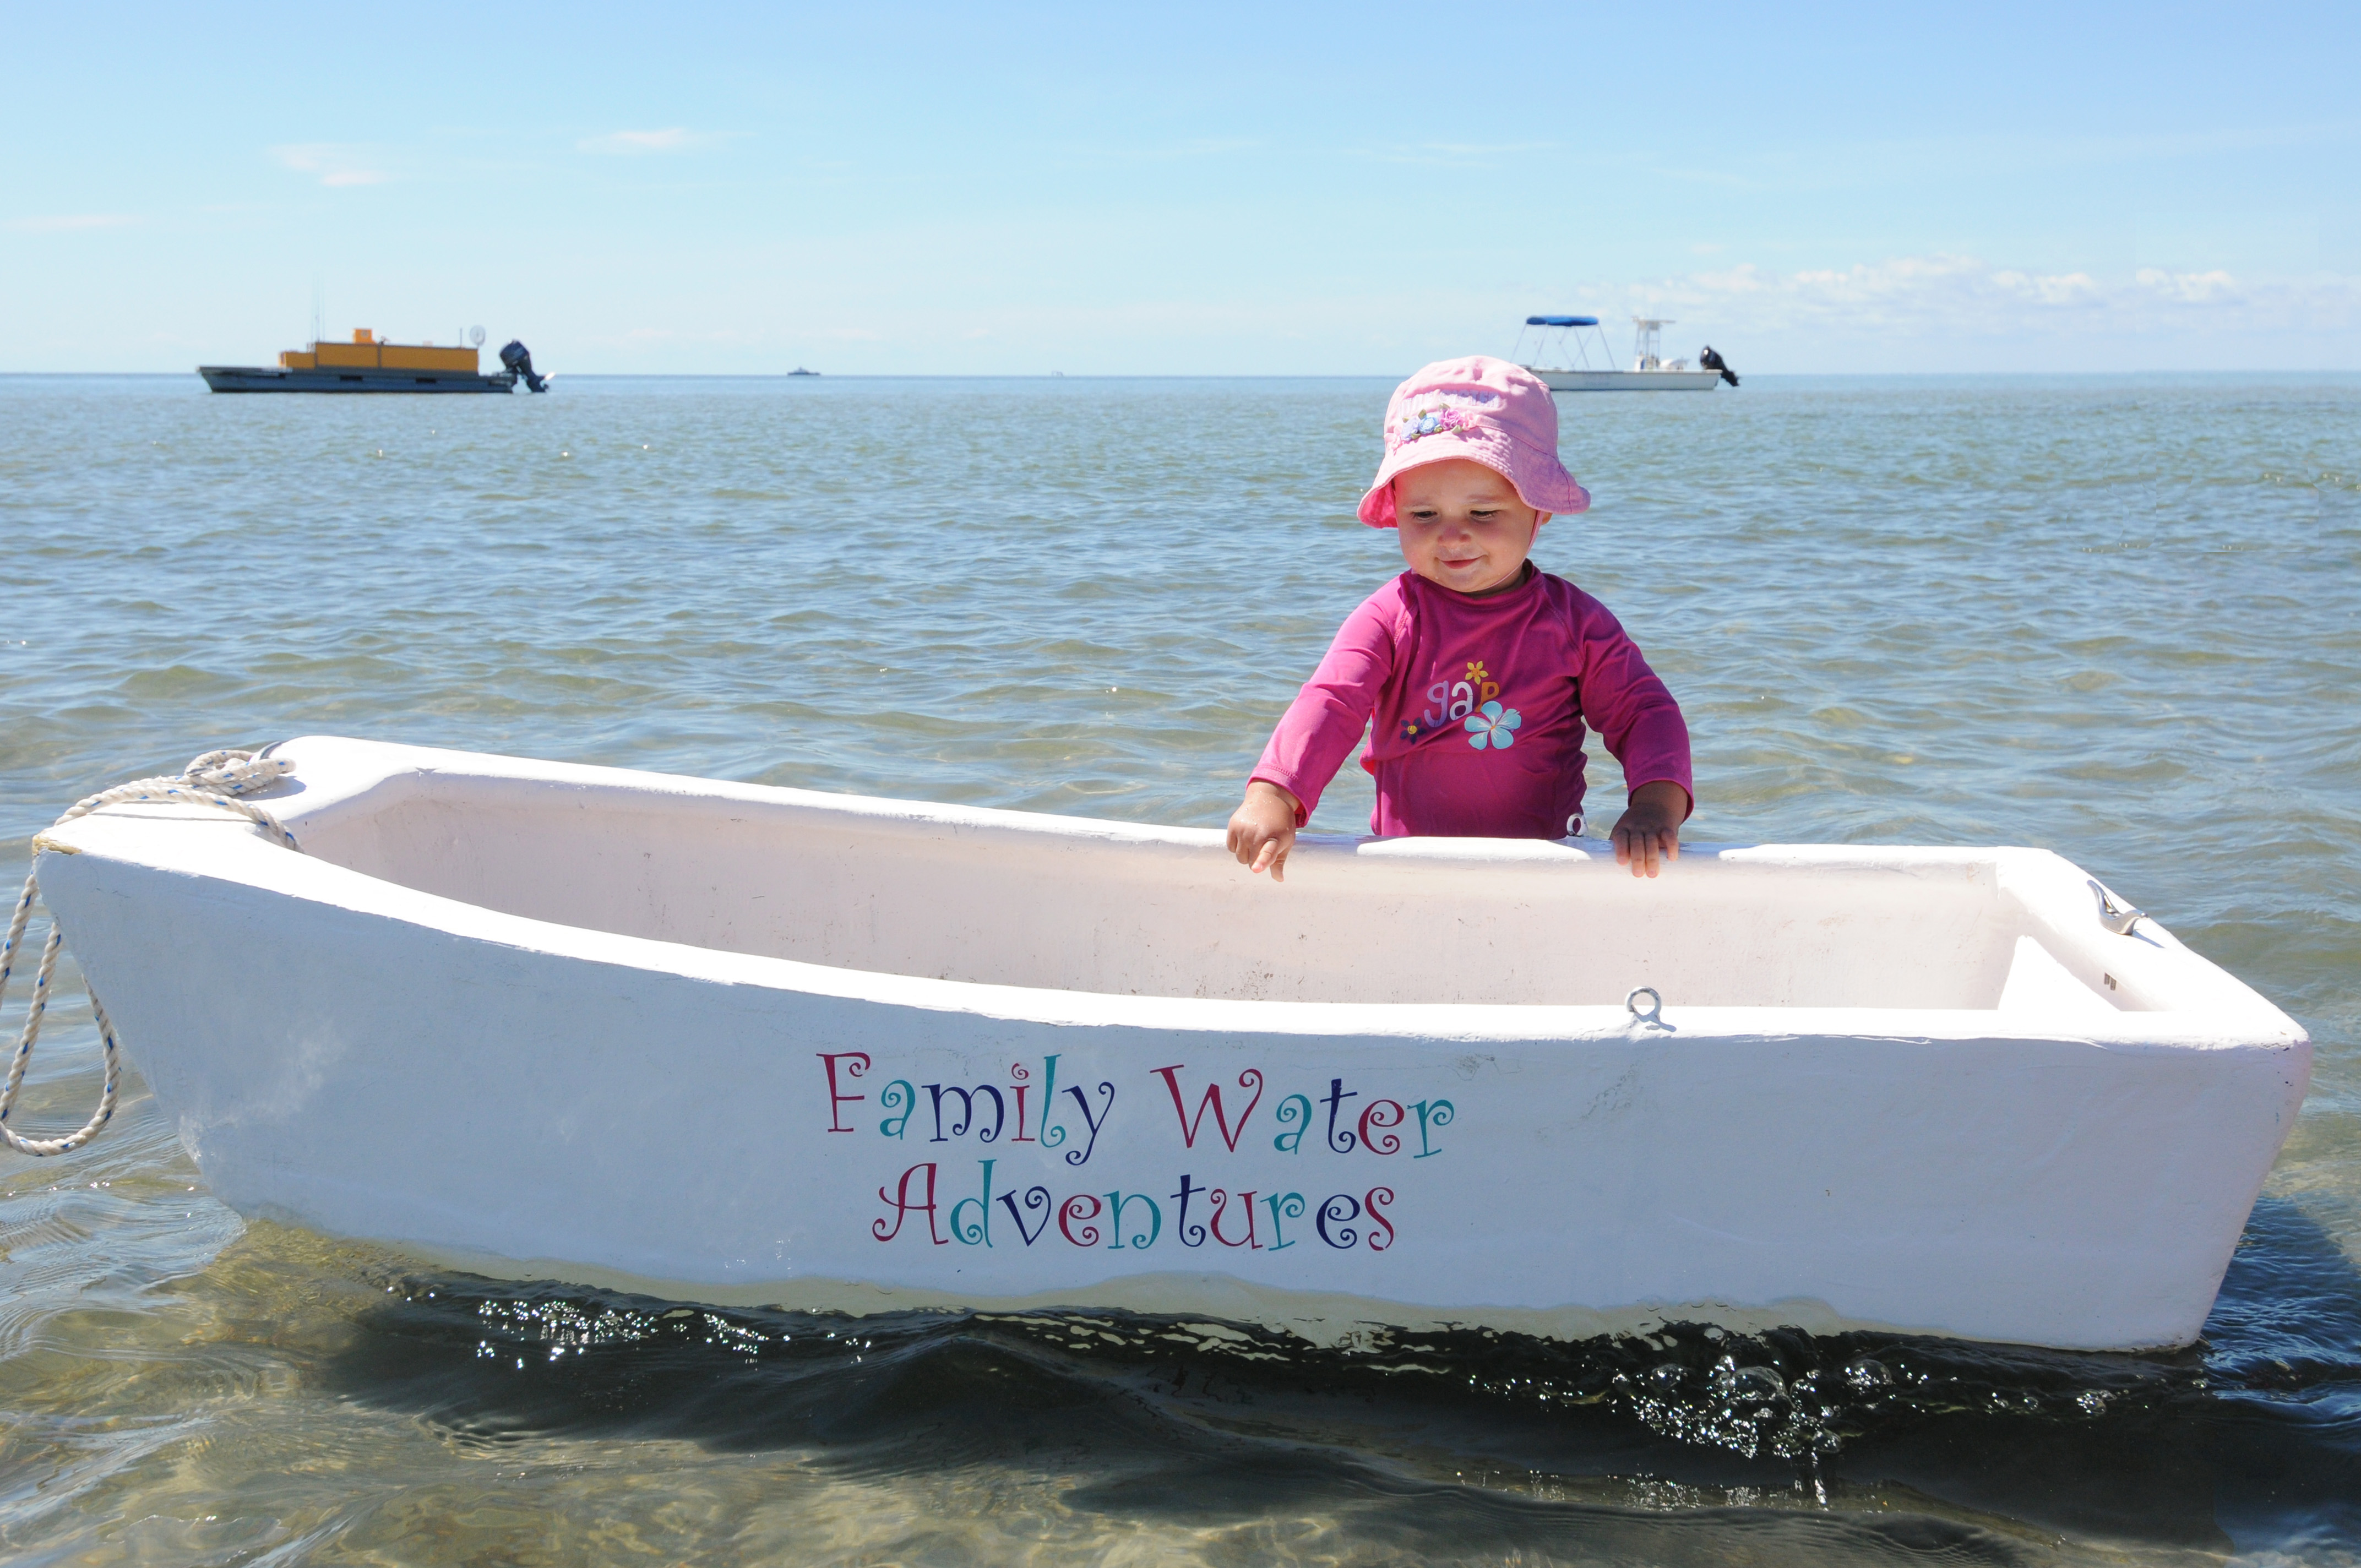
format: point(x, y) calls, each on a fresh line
point(2120, 618)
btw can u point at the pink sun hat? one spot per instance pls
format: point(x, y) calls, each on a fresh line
point(1480, 408)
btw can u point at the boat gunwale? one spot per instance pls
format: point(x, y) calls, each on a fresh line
point(231, 851)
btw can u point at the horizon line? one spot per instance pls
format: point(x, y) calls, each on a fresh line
point(2084, 374)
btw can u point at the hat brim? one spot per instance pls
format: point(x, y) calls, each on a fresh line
point(1540, 480)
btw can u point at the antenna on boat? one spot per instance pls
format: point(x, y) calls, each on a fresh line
point(318, 312)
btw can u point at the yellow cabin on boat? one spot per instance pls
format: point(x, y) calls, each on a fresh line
point(366, 353)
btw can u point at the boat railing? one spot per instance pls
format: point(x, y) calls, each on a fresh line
point(1563, 338)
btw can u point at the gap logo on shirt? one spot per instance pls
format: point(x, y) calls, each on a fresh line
point(1472, 704)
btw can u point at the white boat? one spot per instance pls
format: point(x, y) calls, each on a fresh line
point(1559, 352)
point(723, 1042)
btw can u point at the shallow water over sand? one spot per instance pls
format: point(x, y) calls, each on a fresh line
point(2120, 618)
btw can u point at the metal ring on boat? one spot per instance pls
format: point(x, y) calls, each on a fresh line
point(1655, 1012)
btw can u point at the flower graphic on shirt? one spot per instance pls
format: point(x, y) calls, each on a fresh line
point(1475, 670)
point(1494, 726)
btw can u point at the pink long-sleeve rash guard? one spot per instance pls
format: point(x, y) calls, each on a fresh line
point(1480, 707)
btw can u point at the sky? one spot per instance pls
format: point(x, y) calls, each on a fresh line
point(1207, 188)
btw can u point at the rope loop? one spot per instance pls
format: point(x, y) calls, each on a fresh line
point(216, 779)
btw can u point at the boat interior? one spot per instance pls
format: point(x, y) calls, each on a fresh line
point(1010, 899)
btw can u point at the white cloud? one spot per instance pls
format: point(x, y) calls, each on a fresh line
point(2189, 288)
point(671, 138)
point(1960, 295)
point(2057, 288)
point(72, 222)
point(337, 163)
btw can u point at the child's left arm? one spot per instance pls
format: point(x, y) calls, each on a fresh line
point(1636, 717)
point(1648, 834)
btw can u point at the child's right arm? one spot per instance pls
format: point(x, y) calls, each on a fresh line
point(1262, 830)
point(1315, 735)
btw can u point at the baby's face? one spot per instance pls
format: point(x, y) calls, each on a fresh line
point(1462, 525)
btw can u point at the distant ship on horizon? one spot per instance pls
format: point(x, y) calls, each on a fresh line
point(369, 364)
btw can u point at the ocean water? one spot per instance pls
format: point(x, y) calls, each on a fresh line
point(2118, 616)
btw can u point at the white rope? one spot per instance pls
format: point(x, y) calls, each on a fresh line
point(217, 778)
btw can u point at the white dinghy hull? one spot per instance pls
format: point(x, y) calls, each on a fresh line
point(732, 1043)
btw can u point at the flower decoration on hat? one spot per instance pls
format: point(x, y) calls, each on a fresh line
point(1440, 417)
point(1432, 421)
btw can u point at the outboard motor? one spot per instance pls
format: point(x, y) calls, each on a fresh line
point(1707, 360)
point(519, 358)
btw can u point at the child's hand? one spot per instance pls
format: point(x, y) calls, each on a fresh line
point(1649, 832)
point(1262, 830)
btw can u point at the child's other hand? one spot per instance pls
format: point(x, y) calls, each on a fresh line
point(1649, 832)
point(1262, 830)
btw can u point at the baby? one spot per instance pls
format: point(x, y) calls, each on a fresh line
point(1480, 670)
